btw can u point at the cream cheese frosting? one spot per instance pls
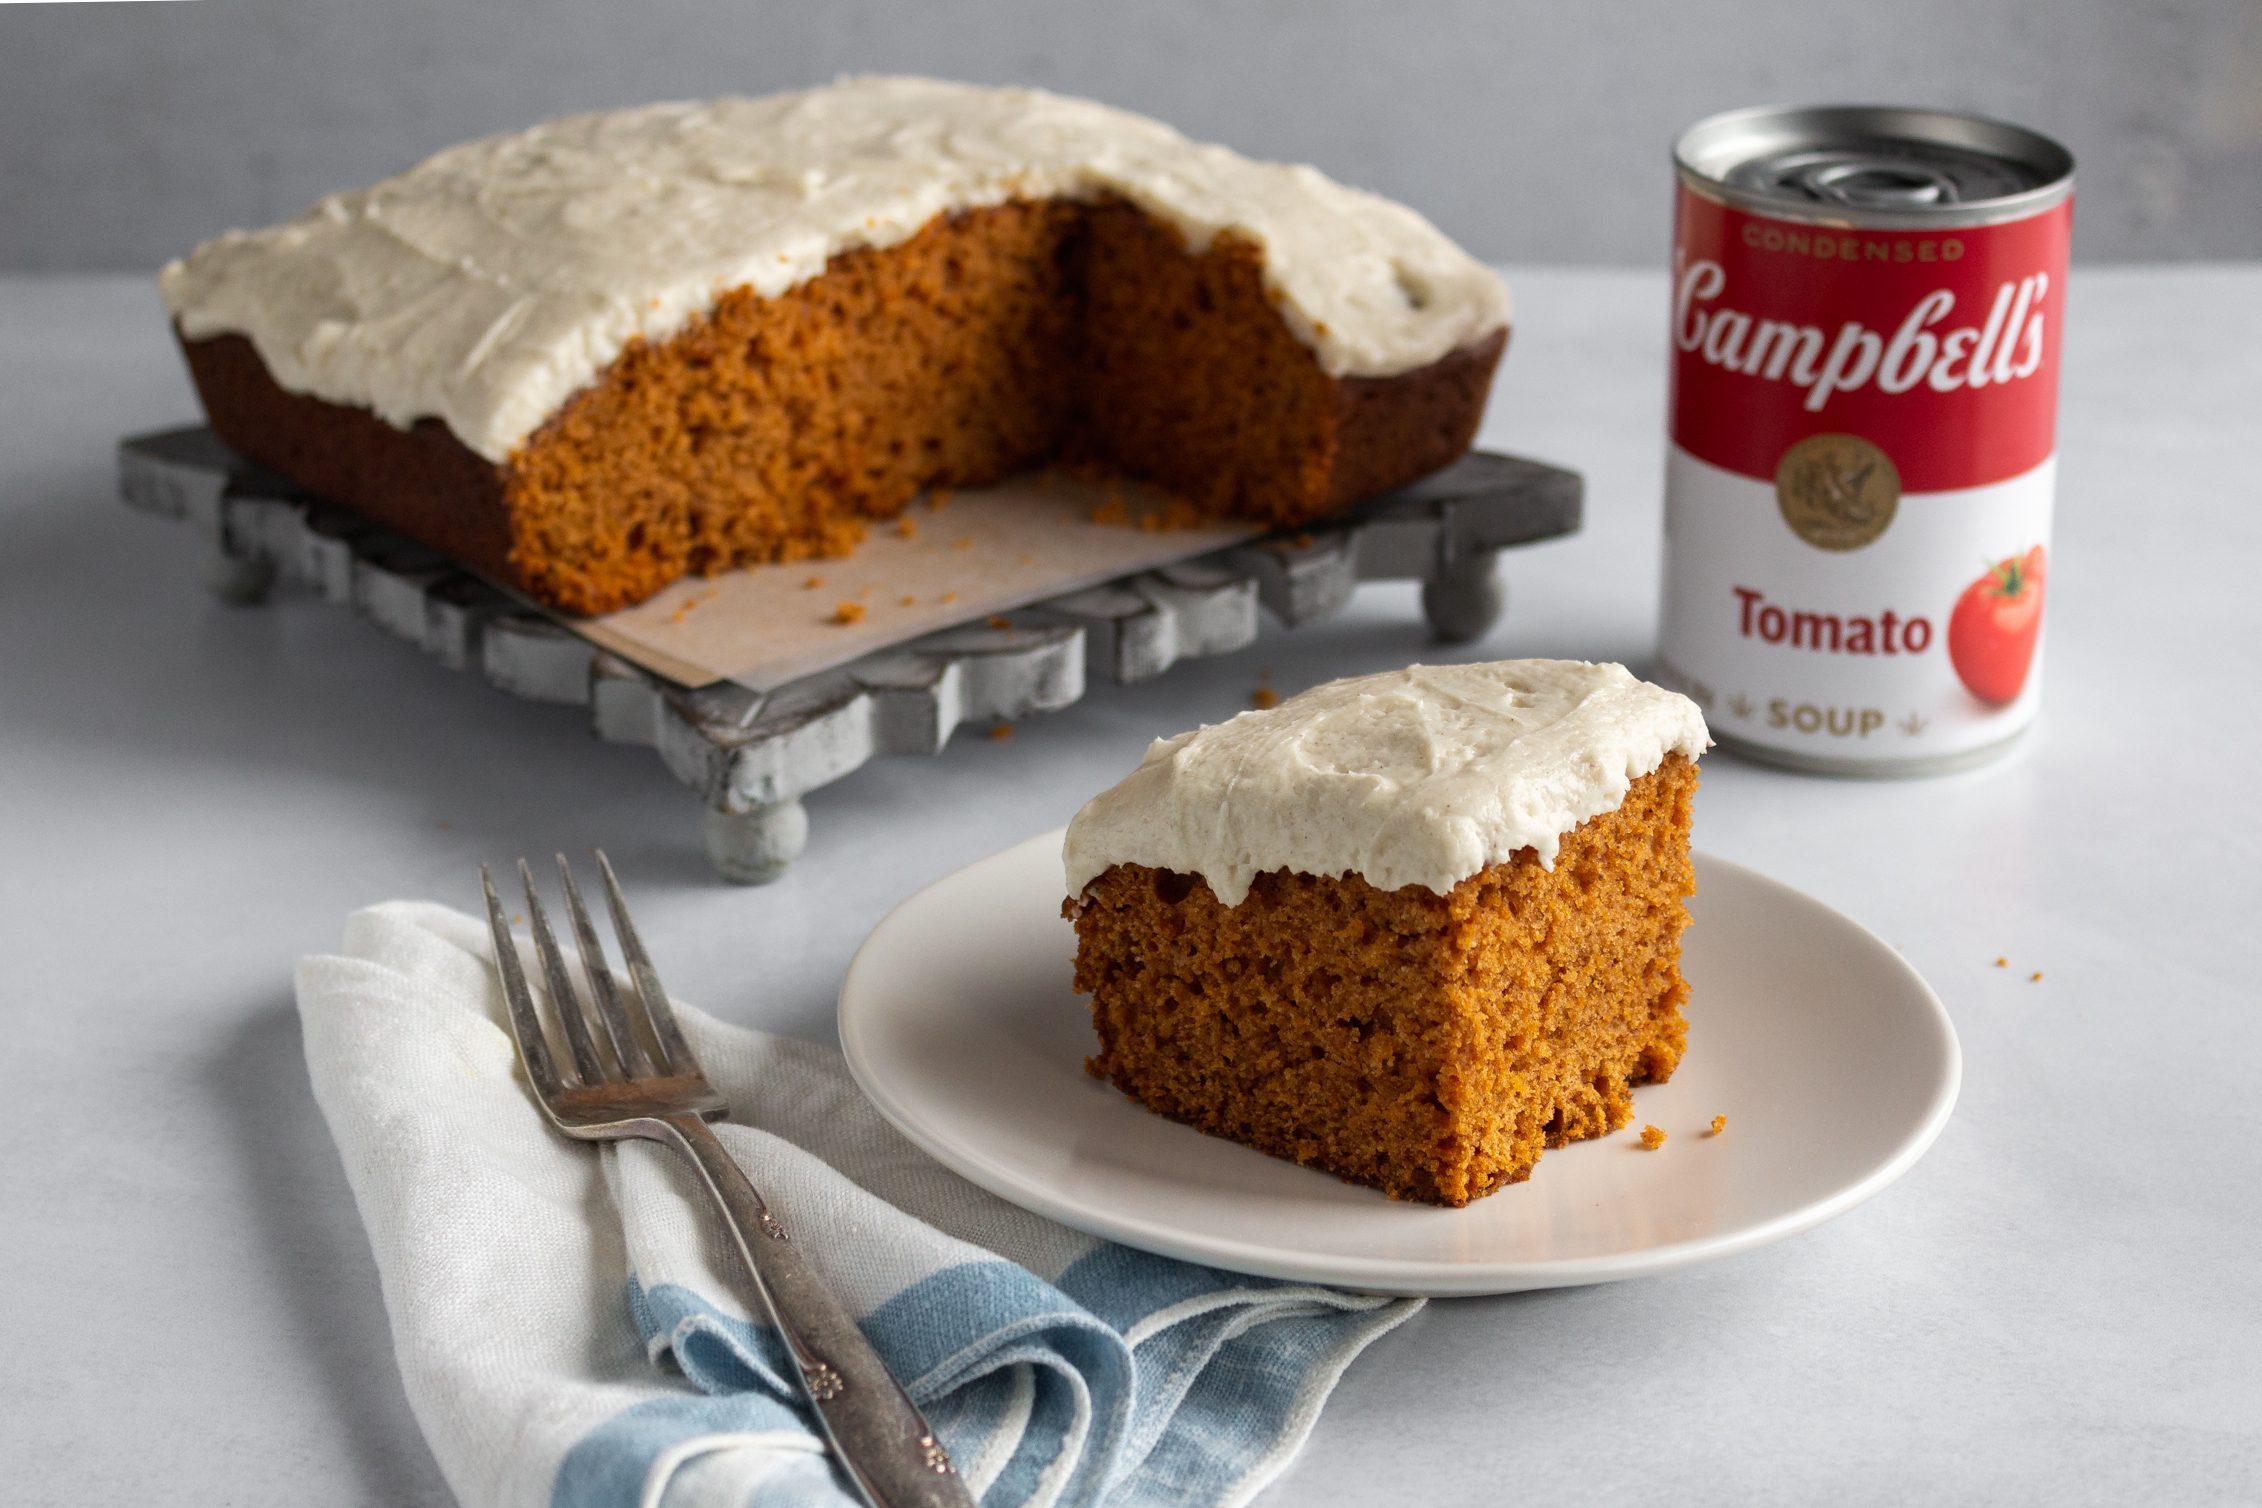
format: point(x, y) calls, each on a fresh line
point(1421, 776)
point(488, 284)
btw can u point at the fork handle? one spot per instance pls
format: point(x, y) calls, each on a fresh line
point(878, 1434)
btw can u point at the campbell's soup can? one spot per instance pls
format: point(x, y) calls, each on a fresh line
point(1868, 306)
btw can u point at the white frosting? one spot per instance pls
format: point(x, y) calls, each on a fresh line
point(1421, 776)
point(488, 284)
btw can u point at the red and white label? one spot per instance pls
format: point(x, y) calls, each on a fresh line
point(1858, 501)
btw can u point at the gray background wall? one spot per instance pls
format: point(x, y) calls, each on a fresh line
point(1535, 132)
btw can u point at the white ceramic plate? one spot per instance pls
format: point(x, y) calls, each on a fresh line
point(1832, 1059)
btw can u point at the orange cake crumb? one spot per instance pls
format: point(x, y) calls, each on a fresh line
point(813, 583)
point(938, 499)
point(1264, 698)
point(848, 612)
point(2035, 977)
point(949, 597)
point(1110, 510)
point(909, 600)
point(1719, 1124)
point(2002, 963)
point(998, 620)
point(1000, 732)
point(1180, 514)
point(907, 525)
point(1652, 1138)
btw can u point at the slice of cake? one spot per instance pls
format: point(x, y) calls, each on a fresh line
point(596, 355)
point(1410, 928)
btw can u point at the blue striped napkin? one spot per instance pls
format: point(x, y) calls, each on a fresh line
point(568, 1323)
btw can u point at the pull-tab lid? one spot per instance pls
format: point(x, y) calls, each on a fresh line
point(1875, 165)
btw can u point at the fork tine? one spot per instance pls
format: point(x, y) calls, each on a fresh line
point(633, 1059)
point(673, 1049)
point(526, 1022)
point(563, 1000)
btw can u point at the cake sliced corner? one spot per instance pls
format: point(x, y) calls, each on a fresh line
point(1411, 928)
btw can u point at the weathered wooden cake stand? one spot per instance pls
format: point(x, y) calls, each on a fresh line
point(753, 755)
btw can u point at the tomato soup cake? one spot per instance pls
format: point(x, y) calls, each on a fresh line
point(597, 355)
point(1410, 928)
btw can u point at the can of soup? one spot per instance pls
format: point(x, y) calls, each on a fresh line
point(1867, 310)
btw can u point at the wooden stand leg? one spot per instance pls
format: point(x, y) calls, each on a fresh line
point(757, 846)
point(1464, 598)
point(239, 583)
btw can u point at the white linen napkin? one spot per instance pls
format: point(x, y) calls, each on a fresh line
point(568, 1320)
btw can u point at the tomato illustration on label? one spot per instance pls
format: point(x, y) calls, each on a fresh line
point(1991, 634)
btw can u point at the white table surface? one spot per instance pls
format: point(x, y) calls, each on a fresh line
point(2062, 1303)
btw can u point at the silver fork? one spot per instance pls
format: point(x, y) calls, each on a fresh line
point(633, 1076)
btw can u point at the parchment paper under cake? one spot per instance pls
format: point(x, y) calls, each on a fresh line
point(983, 551)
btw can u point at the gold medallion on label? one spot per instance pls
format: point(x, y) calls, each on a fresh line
point(1837, 492)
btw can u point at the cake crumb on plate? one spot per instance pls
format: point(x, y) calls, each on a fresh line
point(1652, 1138)
point(848, 612)
point(1719, 1124)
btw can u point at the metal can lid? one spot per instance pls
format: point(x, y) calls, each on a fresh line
point(1874, 165)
